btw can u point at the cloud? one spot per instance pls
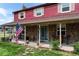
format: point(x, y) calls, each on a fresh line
point(3, 11)
point(6, 20)
point(1, 20)
point(10, 19)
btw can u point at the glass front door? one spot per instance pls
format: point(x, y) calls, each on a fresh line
point(44, 34)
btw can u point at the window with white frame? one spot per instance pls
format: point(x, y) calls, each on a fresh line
point(66, 7)
point(21, 15)
point(38, 12)
point(63, 30)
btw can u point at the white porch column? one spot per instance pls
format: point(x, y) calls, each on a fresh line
point(39, 33)
point(60, 35)
point(25, 34)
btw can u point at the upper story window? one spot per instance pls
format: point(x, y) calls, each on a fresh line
point(38, 12)
point(66, 7)
point(21, 15)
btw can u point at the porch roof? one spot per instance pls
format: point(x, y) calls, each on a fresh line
point(60, 17)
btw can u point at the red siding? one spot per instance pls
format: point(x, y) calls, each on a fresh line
point(15, 17)
point(29, 14)
point(48, 11)
point(77, 7)
point(51, 10)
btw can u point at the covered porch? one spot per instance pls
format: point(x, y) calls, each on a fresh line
point(50, 31)
point(67, 32)
point(62, 28)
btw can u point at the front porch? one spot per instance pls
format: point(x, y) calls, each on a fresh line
point(44, 45)
point(42, 34)
point(66, 33)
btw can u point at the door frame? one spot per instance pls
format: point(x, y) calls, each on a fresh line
point(47, 33)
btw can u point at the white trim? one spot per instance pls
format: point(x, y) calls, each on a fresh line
point(48, 32)
point(42, 12)
point(64, 26)
point(71, 5)
point(45, 27)
point(25, 33)
point(39, 34)
point(19, 14)
point(60, 35)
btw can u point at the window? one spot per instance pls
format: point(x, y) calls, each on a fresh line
point(38, 12)
point(21, 15)
point(66, 7)
point(63, 30)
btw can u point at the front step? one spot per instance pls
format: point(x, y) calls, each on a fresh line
point(67, 48)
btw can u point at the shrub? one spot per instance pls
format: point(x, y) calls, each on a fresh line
point(76, 47)
point(6, 39)
point(55, 44)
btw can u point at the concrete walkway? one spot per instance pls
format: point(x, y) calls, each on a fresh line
point(34, 44)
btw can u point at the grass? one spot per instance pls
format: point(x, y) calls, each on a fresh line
point(10, 49)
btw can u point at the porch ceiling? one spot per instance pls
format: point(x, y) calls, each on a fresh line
point(58, 18)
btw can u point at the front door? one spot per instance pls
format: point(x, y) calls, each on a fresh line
point(44, 34)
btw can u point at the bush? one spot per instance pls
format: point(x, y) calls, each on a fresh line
point(76, 47)
point(6, 39)
point(55, 44)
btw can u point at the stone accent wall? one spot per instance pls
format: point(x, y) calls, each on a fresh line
point(52, 32)
point(32, 32)
point(73, 31)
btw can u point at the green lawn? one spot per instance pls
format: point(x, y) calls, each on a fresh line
point(12, 49)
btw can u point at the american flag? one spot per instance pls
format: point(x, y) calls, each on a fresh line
point(19, 29)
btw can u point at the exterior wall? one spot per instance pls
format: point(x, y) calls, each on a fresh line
point(49, 11)
point(73, 31)
point(52, 32)
point(32, 33)
point(77, 7)
point(16, 17)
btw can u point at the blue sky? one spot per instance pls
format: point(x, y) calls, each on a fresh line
point(6, 10)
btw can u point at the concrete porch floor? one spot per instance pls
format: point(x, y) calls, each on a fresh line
point(67, 48)
point(44, 45)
